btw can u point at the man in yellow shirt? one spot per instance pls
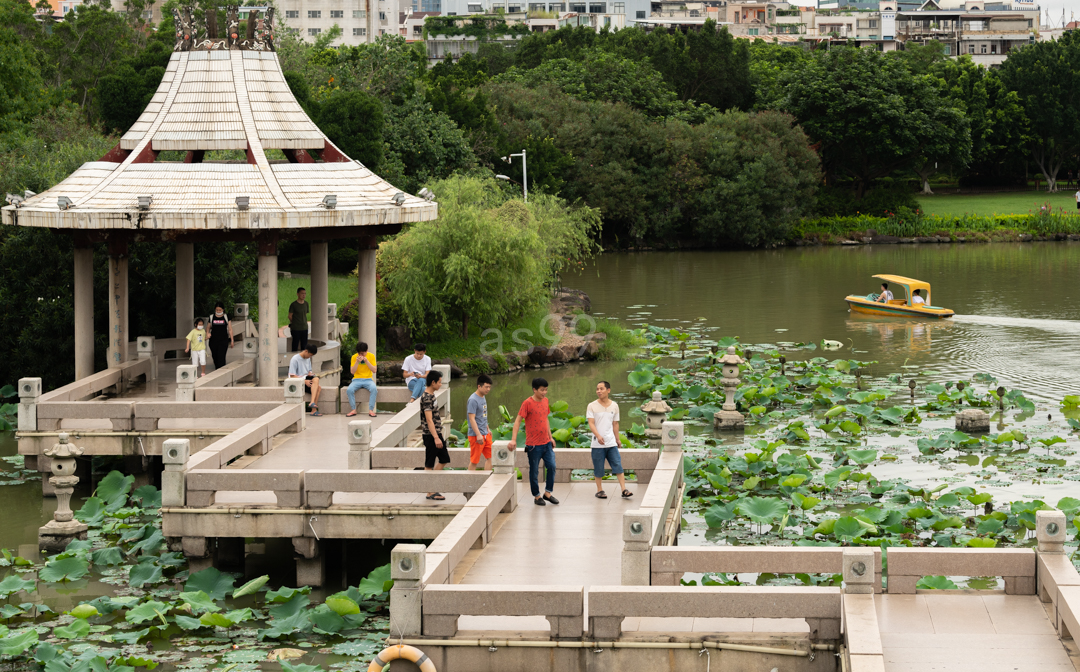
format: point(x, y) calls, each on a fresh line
point(362, 367)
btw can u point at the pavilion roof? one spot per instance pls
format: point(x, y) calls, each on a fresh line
point(225, 94)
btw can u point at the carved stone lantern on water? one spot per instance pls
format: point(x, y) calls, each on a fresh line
point(729, 417)
point(656, 411)
point(55, 536)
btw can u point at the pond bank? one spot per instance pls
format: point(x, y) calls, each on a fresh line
point(565, 333)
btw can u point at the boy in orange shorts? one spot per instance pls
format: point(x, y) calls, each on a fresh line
point(479, 433)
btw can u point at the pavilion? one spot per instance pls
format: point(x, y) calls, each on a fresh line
point(220, 93)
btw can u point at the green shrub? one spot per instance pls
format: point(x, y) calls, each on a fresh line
point(501, 365)
point(476, 366)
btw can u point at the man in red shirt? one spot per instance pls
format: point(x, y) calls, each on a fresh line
point(538, 443)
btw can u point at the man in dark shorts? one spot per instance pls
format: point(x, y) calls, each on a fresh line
point(431, 427)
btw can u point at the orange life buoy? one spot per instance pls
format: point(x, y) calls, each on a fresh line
point(404, 652)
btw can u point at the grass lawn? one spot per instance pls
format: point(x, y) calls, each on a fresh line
point(341, 288)
point(1009, 203)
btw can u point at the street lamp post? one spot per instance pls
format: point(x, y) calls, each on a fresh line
point(524, 173)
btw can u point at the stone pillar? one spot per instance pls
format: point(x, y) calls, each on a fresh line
point(186, 374)
point(503, 462)
point(174, 457)
point(444, 369)
point(311, 563)
point(360, 444)
point(320, 290)
point(858, 571)
point(185, 288)
point(268, 311)
point(146, 348)
point(29, 391)
point(118, 302)
point(407, 570)
point(637, 548)
point(1050, 529)
point(84, 312)
point(365, 287)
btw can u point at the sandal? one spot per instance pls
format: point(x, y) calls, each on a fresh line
point(372, 414)
point(601, 495)
point(436, 496)
point(351, 414)
point(627, 494)
point(315, 411)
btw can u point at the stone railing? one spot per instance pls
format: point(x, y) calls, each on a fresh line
point(230, 374)
point(144, 416)
point(1015, 565)
point(251, 439)
point(641, 461)
point(443, 605)
point(656, 521)
point(320, 485)
point(670, 563)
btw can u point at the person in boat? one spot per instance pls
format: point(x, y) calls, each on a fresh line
point(885, 296)
point(917, 299)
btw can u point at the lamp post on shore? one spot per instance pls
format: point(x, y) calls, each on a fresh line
point(524, 173)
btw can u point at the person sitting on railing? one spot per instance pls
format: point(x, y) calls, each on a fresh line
point(363, 369)
point(414, 369)
point(300, 367)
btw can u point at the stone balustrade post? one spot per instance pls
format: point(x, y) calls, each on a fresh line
point(671, 436)
point(29, 392)
point(637, 528)
point(1050, 529)
point(174, 457)
point(147, 349)
point(444, 369)
point(186, 375)
point(858, 571)
point(294, 394)
point(503, 462)
point(407, 570)
point(360, 444)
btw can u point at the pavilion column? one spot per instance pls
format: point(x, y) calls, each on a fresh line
point(320, 290)
point(84, 311)
point(365, 286)
point(185, 288)
point(268, 314)
point(118, 302)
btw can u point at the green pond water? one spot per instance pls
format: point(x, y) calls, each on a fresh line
point(1017, 319)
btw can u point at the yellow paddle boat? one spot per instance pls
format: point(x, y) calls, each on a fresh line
point(898, 307)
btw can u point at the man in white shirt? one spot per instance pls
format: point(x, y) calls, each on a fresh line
point(603, 417)
point(916, 298)
point(300, 367)
point(1078, 199)
point(415, 369)
point(885, 296)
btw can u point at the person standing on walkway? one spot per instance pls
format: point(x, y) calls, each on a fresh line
point(362, 367)
point(479, 434)
point(196, 344)
point(603, 417)
point(431, 429)
point(1078, 198)
point(298, 320)
point(221, 335)
point(300, 367)
point(415, 369)
point(538, 442)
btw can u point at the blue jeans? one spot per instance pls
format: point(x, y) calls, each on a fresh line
point(416, 386)
point(362, 384)
point(611, 454)
point(546, 453)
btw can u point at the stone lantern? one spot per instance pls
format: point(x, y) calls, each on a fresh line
point(729, 418)
point(656, 411)
point(55, 536)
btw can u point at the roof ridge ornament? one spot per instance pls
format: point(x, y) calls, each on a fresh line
point(195, 32)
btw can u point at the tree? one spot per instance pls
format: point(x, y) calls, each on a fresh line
point(1046, 79)
point(759, 178)
point(422, 145)
point(124, 93)
point(768, 63)
point(353, 121)
point(481, 260)
point(22, 91)
point(870, 115)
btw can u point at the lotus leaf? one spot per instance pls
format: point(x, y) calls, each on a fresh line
point(989, 526)
point(979, 498)
point(143, 573)
point(762, 510)
point(285, 594)
point(210, 581)
point(78, 629)
point(377, 582)
point(189, 623)
point(935, 583)
point(562, 406)
point(981, 542)
point(298, 667)
point(107, 556)
point(342, 605)
point(114, 489)
point(804, 502)
point(216, 620)
point(147, 496)
point(751, 483)
point(17, 644)
point(794, 481)
point(848, 526)
point(65, 569)
point(850, 426)
point(198, 602)
point(13, 584)
point(950, 522)
point(325, 620)
point(917, 513)
point(863, 457)
point(129, 636)
point(716, 515)
point(84, 611)
point(251, 586)
point(146, 611)
point(92, 511)
point(1067, 504)
point(948, 500)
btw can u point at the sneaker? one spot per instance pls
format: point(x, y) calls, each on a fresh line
point(551, 498)
point(538, 501)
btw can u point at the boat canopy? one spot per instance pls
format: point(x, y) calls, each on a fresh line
point(909, 284)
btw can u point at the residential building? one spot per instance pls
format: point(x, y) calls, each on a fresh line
point(361, 21)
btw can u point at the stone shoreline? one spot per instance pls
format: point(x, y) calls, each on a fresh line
point(571, 348)
point(1001, 236)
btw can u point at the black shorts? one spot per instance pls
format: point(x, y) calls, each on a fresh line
point(431, 452)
